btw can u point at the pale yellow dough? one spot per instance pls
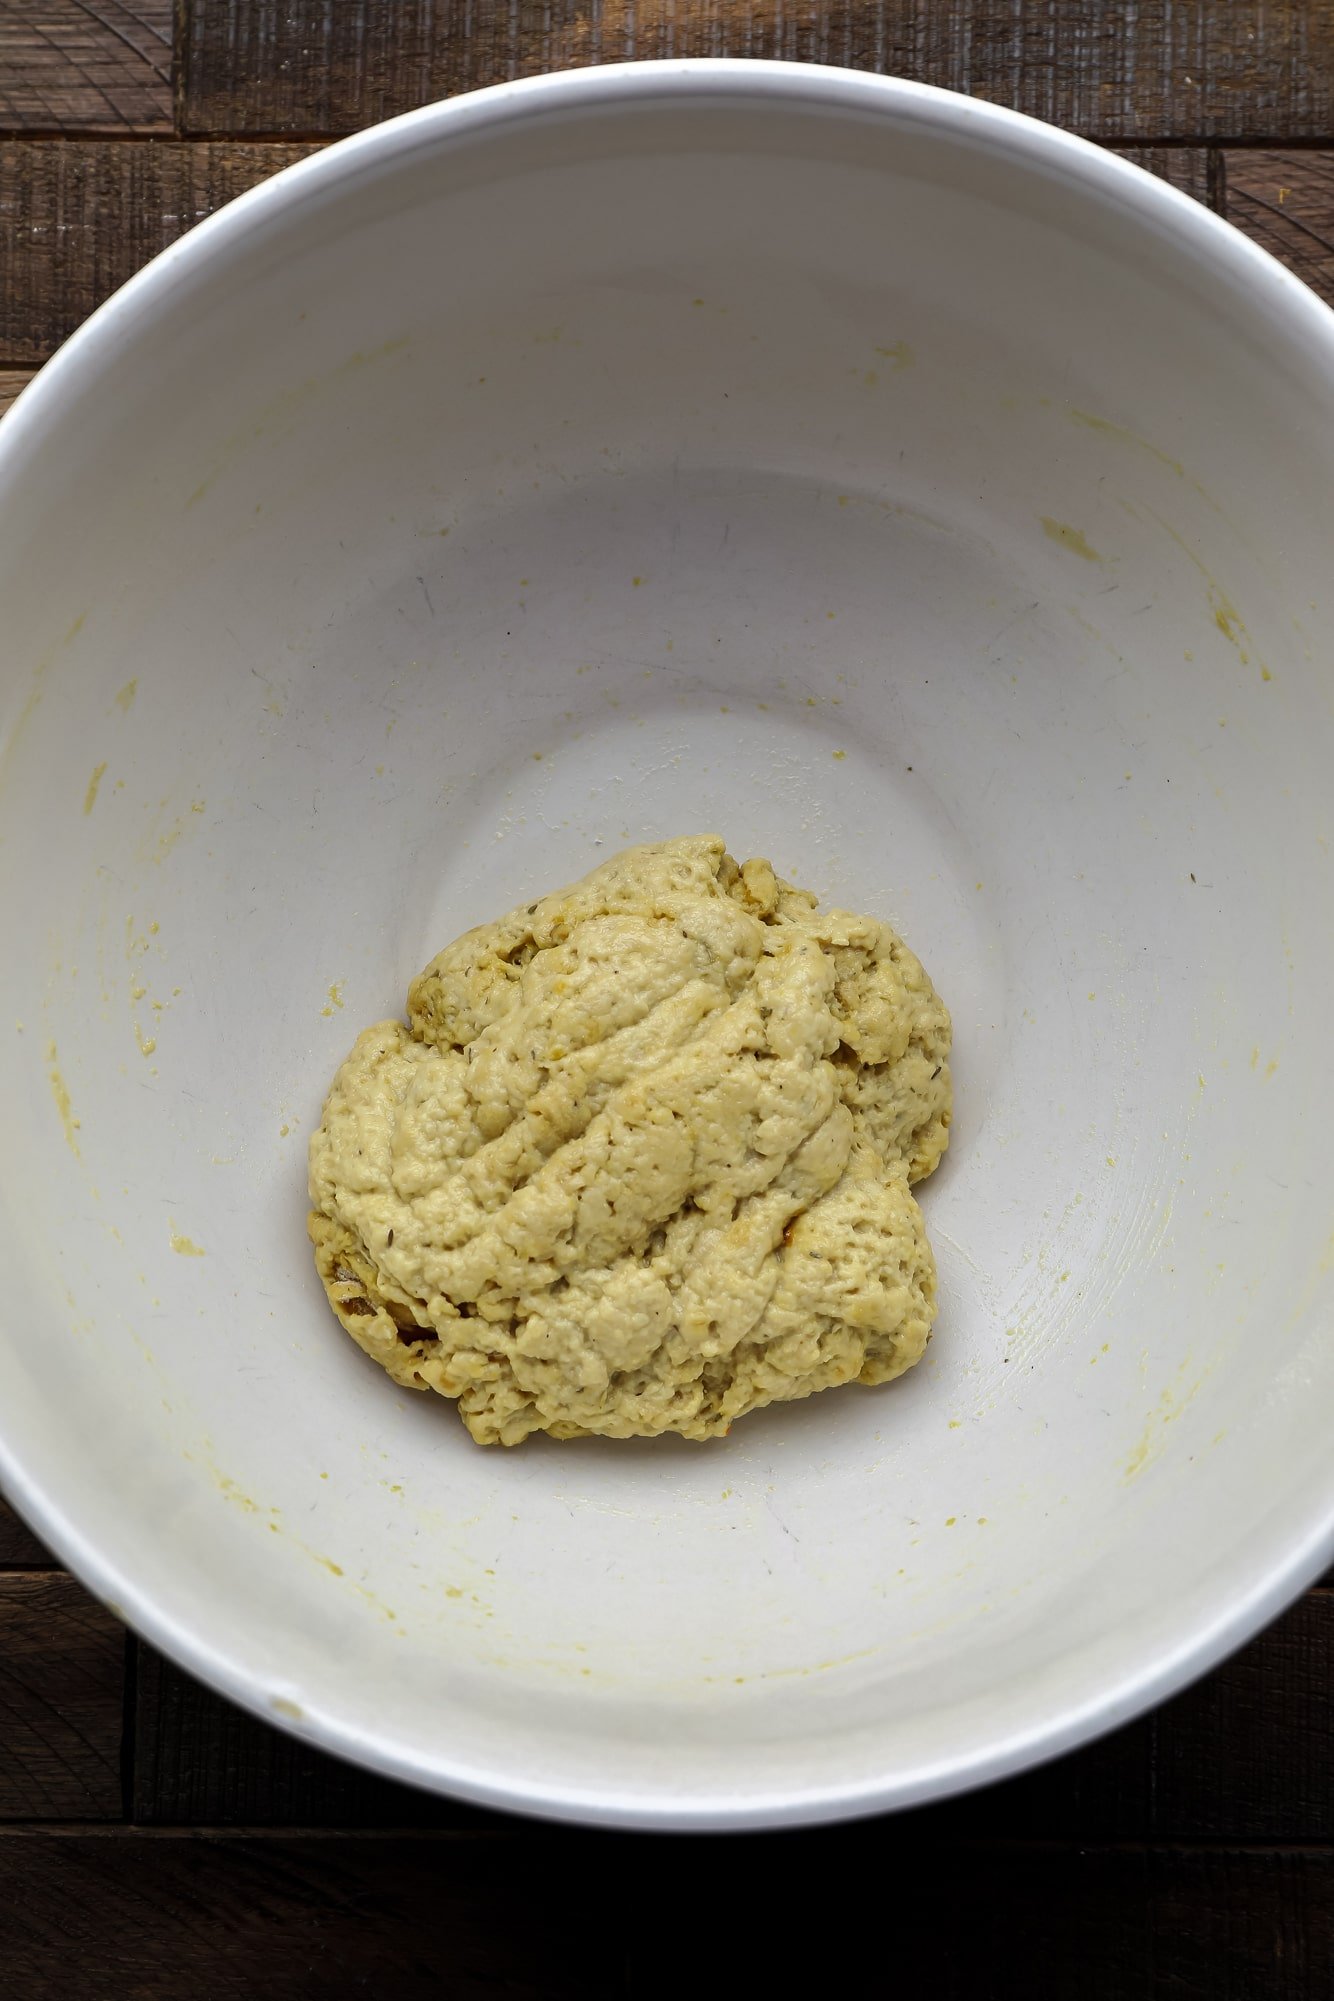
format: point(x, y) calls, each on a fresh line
point(641, 1160)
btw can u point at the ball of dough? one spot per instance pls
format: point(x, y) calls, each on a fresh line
point(641, 1159)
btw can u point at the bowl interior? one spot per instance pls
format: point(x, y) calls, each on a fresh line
point(907, 495)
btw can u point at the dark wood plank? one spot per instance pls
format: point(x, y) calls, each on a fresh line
point(19, 1548)
point(416, 1919)
point(1124, 69)
point(1250, 1751)
point(78, 217)
point(1229, 1926)
point(62, 1661)
point(85, 66)
point(11, 381)
point(199, 1761)
point(548, 1915)
point(1286, 202)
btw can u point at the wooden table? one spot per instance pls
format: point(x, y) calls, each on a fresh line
point(154, 1841)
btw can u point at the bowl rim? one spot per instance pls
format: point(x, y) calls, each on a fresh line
point(1201, 1639)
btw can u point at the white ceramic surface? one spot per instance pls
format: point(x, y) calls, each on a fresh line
point(910, 493)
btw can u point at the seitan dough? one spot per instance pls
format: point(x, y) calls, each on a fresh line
point(641, 1159)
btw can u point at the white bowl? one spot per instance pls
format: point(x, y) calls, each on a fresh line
point(912, 494)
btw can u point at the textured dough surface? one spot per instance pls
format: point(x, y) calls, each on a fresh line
point(641, 1159)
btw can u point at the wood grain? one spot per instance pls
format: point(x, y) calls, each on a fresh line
point(85, 66)
point(61, 1687)
point(539, 1915)
point(1286, 202)
point(1255, 1926)
point(1249, 1753)
point(77, 218)
point(1124, 69)
point(19, 1549)
point(412, 1919)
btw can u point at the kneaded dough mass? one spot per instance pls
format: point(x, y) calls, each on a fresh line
point(641, 1160)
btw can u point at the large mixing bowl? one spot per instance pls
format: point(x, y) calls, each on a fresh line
point(907, 492)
